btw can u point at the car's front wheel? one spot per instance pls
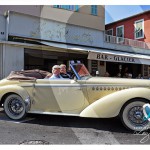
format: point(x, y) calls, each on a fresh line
point(14, 107)
point(132, 115)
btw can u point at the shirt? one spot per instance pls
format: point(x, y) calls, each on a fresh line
point(65, 75)
point(56, 77)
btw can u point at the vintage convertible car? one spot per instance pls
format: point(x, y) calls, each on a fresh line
point(83, 96)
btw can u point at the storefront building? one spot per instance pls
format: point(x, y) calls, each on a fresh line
point(132, 31)
point(30, 41)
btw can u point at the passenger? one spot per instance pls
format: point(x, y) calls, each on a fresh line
point(56, 72)
point(63, 71)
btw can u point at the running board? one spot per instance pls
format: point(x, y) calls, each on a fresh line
point(53, 113)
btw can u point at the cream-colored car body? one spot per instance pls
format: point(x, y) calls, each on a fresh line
point(83, 96)
point(94, 97)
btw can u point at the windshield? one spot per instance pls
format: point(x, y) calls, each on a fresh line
point(81, 70)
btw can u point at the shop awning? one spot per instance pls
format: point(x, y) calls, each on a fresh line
point(105, 54)
point(66, 46)
point(112, 56)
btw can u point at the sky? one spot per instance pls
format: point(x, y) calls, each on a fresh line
point(117, 12)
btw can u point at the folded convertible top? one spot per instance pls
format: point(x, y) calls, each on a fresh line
point(27, 75)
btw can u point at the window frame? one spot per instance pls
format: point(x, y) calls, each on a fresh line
point(135, 22)
point(110, 30)
point(67, 7)
point(94, 10)
point(122, 33)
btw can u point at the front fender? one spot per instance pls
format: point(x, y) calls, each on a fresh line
point(110, 105)
point(13, 89)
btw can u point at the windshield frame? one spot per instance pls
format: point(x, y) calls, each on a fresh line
point(76, 73)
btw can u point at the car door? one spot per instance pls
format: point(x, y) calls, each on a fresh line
point(62, 95)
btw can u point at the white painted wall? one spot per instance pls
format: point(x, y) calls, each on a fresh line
point(1, 61)
point(13, 59)
point(38, 28)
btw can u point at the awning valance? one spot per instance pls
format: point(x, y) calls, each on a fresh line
point(120, 57)
point(105, 54)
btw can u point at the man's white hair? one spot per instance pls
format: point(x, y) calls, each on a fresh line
point(55, 67)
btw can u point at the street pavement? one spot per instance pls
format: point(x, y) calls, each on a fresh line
point(51, 129)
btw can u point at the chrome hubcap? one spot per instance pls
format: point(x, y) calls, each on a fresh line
point(15, 106)
point(136, 116)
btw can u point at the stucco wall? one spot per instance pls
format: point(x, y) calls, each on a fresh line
point(26, 9)
point(39, 28)
point(81, 18)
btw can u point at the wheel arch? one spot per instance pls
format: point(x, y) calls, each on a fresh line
point(5, 91)
point(110, 105)
point(132, 100)
point(5, 96)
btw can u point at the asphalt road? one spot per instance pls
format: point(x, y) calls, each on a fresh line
point(46, 129)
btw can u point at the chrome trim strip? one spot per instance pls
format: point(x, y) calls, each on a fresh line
point(55, 85)
point(53, 113)
point(84, 85)
point(26, 85)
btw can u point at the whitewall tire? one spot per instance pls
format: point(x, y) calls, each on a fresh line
point(14, 107)
point(132, 115)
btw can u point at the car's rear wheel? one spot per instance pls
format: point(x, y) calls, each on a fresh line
point(14, 107)
point(132, 115)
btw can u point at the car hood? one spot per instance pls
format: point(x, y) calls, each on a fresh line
point(120, 81)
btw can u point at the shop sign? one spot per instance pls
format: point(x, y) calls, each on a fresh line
point(112, 58)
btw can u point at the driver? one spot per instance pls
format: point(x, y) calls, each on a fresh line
point(63, 71)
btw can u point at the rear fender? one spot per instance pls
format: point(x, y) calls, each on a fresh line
point(110, 105)
point(13, 89)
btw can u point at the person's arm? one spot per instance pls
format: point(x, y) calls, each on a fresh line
point(48, 76)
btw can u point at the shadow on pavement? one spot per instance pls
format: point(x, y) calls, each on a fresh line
point(110, 124)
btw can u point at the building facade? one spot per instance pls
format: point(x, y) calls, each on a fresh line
point(38, 37)
point(134, 31)
point(45, 29)
point(135, 27)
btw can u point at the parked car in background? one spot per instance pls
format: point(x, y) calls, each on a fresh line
point(83, 96)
